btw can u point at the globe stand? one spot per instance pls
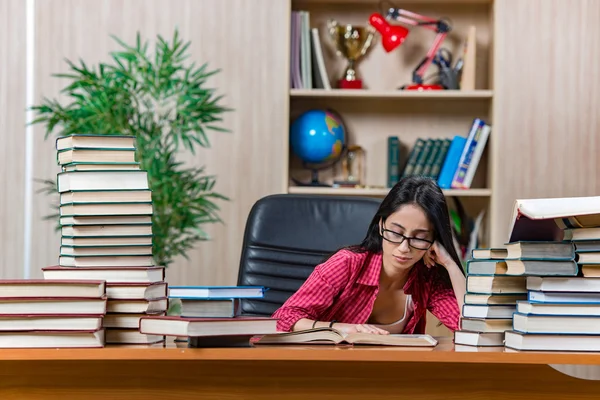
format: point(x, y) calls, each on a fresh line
point(314, 182)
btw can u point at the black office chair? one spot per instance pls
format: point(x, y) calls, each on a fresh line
point(287, 235)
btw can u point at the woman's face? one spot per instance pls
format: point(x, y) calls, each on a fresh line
point(411, 222)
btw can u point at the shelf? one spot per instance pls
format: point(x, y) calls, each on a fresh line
point(376, 2)
point(377, 192)
point(391, 94)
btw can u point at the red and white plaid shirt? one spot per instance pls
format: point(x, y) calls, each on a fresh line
point(344, 289)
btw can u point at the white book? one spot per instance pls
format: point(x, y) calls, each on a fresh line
point(102, 180)
point(544, 219)
point(481, 142)
point(321, 80)
point(52, 339)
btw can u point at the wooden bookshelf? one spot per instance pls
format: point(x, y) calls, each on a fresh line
point(392, 94)
point(379, 110)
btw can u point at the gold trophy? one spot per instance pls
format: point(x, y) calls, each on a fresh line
point(351, 42)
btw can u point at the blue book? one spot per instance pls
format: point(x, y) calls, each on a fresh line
point(217, 292)
point(451, 162)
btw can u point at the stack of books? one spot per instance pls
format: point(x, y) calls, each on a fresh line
point(562, 312)
point(106, 230)
point(51, 313)
point(211, 316)
point(491, 298)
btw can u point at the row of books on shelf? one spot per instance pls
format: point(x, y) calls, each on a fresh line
point(307, 65)
point(541, 291)
point(451, 162)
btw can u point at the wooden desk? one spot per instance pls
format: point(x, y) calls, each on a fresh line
point(311, 372)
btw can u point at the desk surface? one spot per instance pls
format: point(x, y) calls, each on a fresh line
point(444, 352)
point(290, 372)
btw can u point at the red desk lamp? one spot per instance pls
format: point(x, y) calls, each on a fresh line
point(392, 36)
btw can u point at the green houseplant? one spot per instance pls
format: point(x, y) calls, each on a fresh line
point(165, 104)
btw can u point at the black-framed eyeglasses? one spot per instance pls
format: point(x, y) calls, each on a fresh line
point(398, 238)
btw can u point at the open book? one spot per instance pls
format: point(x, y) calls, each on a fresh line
point(544, 219)
point(332, 336)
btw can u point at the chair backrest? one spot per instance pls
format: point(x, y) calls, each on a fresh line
point(287, 235)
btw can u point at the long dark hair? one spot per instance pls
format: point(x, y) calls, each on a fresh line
point(425, 193)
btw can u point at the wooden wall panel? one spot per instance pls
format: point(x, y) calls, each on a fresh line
point(547, 98)
point(12, 133)
point(246, 40)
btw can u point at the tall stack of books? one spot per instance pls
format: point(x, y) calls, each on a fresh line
point(51, 313)
point(493, 289)
point(562, 312)
point(211, 316)
point(106, 230)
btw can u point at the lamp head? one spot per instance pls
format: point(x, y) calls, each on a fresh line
point(392, 36)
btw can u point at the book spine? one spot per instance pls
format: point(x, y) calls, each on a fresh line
point(437, 145)
point(474, 162)
point(467, 154)
point(393, 166)
point(422, 157)
point(451, 162)
point(439, 161)
point(413, 157)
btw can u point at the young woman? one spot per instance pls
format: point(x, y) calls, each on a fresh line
point(405, 266)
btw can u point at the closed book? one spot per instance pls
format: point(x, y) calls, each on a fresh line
point(109, 260)
point(393, 165)
point(95, 141)
point(95, 166)
point(423, 155)
point(130, 336)
point(98, 209)
point(114, 274)
point(81, 220)
point(436, 168)
point(154, 306)
point(413, 157)
point(102, 180)
point(451, 162)
point(35, 288)
point(111, 156)
point(435, 149)
point(210, 308)
point(478, 339)
point(136, 291)
point(50, 322)
point(52, 305)
point(216, 292)
point(123, 321)
point(499, 284)
point(52, 339)
point(106, 196)
point(542, 342)
point(178, 326)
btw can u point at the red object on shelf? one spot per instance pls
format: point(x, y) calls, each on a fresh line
point(355, 84)
point(423, 87)
point(392, 36)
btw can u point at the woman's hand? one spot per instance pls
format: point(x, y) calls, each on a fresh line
point(362, 328)
point(437, 254)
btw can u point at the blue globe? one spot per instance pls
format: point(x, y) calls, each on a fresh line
point(317, 136)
